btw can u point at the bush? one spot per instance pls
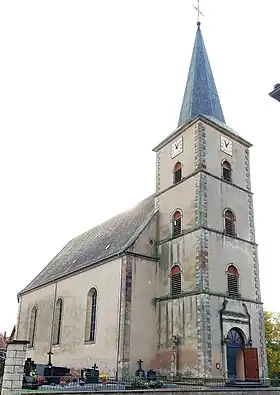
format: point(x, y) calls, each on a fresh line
point(134, 382)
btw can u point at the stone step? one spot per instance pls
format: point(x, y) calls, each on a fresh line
point(247, 384)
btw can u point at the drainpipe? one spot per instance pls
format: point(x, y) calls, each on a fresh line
point(119, 321)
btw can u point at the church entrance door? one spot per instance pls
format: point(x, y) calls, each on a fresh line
point(235, 355)
point(251, 364)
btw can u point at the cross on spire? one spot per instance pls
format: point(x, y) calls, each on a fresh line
point(198, 12)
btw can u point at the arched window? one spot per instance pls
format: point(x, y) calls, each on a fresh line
point(57, 321)
point(229, 223)
point(176, 223)
point(33, 325)
point(177, 173)
point(226, 171)
point(91, 315)
point(232, 281)
point(235, 338)
point(175, 280)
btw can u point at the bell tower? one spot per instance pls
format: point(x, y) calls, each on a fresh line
point(208, 293)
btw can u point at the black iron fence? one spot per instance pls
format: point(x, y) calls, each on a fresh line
point(105, 383)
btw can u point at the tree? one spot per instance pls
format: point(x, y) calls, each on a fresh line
point(272, 333)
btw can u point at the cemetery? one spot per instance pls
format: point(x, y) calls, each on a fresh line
point(49, 378)
point(23, 376)
point(57, 378)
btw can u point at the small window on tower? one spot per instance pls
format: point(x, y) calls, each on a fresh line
point(233, 282)
point(177, 173)
point(229, 223)
point(226, 169)
point(175, 281)
point(176, 223)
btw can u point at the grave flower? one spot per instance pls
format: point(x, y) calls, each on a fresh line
point(104, 377)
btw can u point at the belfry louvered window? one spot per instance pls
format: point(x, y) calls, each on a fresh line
point(176, 223)
point(175, 280)
point(226, 171)
point(177, 173)
point(233, 282)
point(229, 223)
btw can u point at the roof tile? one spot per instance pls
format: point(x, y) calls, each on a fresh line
point(102, 242)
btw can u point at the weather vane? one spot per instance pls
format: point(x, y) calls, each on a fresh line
point(198, 12)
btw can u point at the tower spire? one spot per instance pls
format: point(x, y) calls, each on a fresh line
point(201, 96)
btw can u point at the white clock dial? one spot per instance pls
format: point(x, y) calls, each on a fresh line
point(226, 145)
point(177, 147)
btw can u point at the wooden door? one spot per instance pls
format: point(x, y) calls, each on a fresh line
point(251, 364)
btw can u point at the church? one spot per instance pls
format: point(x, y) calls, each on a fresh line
point(173, 281)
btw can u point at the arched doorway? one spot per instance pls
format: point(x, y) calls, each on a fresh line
point(235, 354)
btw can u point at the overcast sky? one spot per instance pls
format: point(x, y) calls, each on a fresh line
point(88, 88)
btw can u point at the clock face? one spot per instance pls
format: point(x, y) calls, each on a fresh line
point(226, 145)
point(177, 147)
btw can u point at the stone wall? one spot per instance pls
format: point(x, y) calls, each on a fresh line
point(14, 367)
point(73, 351)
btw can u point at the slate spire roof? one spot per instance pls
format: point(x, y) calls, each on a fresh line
point(201, 96)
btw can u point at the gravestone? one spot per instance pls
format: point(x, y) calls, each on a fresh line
point(92, 375)
point(53, 374)
point(140, 372)
point(29, 366)
point(151, 375)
